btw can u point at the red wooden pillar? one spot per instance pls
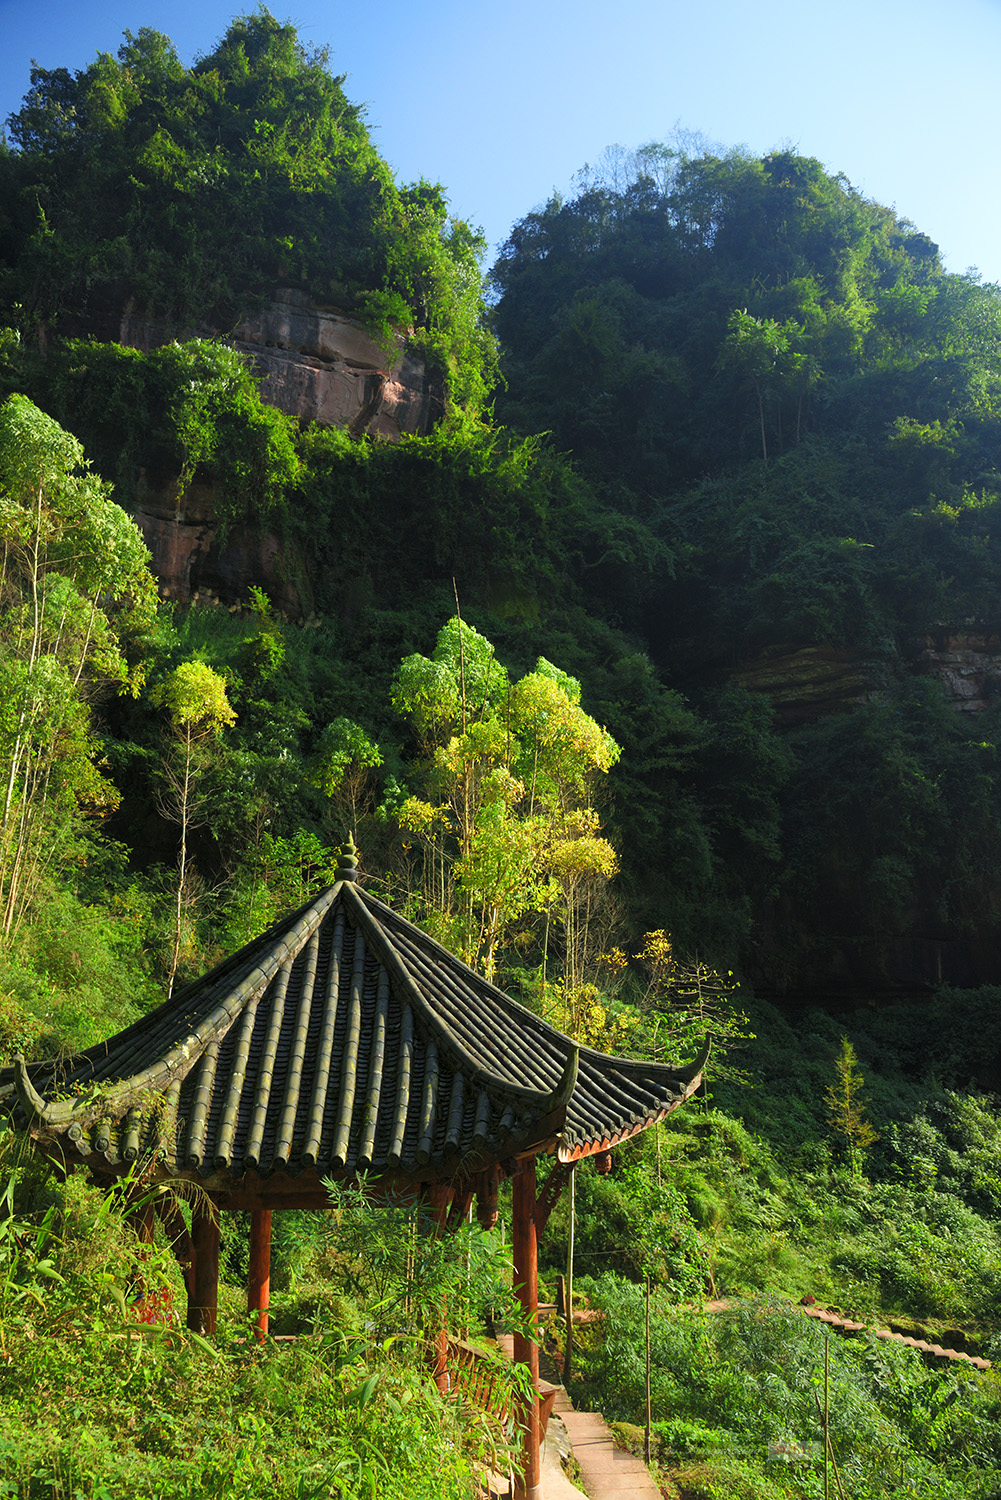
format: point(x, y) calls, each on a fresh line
point(203, 1304)
point(525, 1245)
point(259, 1277)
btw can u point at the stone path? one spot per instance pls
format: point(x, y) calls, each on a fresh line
point(848, 1325)
point(608, 1472)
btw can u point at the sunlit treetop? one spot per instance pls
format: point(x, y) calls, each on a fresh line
point(190, 193)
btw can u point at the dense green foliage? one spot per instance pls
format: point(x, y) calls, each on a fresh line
point(781, 416)
point(102, 1394)
point(777, 378)
point(733, 1390)
point(137, 186)
point(76, 596)
point(770, 482)
point(868, 531)
point(522, 537)
point(753, 1198)
point(684, 313)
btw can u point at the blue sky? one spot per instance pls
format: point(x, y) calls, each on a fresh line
point(503, 103)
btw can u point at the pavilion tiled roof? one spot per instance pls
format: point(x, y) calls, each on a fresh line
point(343, 1040)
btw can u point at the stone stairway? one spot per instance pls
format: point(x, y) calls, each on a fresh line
point(607, 1472)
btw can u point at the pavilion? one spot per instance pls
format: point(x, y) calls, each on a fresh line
point(343, 1041)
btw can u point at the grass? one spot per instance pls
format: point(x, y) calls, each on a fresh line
point(95, 1405)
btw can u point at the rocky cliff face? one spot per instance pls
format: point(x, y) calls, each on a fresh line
point(805, 682)
point(194, 563)
point(319, 364)
point(967, 664)
point(314, 363)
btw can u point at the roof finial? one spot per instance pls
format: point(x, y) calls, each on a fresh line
point(347, 860)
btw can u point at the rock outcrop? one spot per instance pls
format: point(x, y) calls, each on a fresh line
point(319, 364)
point(194, 562)
point(967, 664)
point(315, 363)
point(804, 682)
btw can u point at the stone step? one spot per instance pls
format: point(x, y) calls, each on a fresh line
point(608, 1472)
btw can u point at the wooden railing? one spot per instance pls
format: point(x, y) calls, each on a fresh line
point(478, 1377)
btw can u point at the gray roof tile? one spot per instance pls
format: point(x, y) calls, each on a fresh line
point(343, 1040)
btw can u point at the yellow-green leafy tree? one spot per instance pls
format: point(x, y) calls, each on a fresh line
point(74, 584)
point(198, 710)
point(342, 769)
point(505, 826)
point(847, 1109)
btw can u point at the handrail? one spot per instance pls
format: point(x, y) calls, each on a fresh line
point(473, 1374)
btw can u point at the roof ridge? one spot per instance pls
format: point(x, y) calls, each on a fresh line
point(683, 1075)
point(546, 1100)
point(232, 964)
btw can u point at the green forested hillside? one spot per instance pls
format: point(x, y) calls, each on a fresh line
point(659, 678)
point(185, 193)
point(776, 377)
point(768, 485)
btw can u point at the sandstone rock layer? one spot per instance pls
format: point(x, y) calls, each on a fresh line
point(321, 365)
point(315, 363)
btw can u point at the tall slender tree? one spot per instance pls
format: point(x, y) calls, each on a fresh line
point(198, 709)
point(506, 826)
point(74, 578)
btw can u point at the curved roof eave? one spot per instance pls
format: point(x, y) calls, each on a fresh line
point(478, 1076)
point(182, 1081)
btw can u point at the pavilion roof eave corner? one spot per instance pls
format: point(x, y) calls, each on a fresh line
point(545, 1135)
point(28, 1096)
point(691, 1074)
point(689, 1077)
point(686, 1079)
